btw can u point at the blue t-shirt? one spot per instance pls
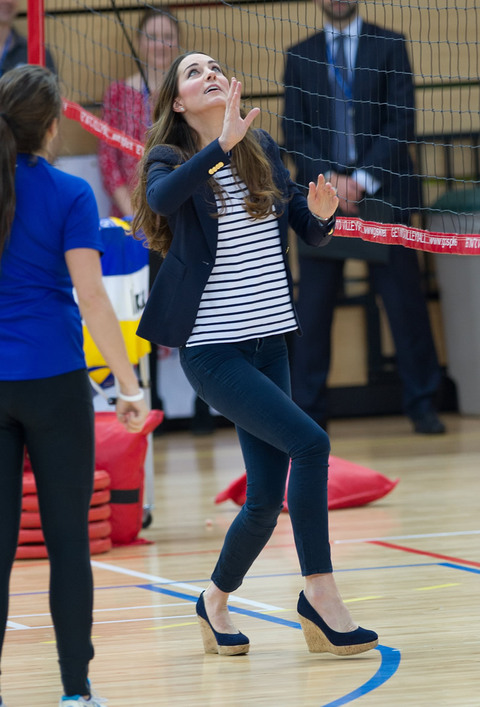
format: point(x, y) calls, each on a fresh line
point(40, 323)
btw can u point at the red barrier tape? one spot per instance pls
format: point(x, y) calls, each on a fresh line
point(101, 129)
point(390, 234)
point(416, 238)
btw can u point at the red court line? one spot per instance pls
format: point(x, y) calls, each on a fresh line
point(449, 558)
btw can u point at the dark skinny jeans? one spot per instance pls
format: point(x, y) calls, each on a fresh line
point(249, 383)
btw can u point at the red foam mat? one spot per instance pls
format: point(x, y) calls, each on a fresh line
point(97, 513)
point(101, 479)
point(30, 552)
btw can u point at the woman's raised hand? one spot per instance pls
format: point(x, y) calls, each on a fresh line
point(322, 198)
point(234, 126)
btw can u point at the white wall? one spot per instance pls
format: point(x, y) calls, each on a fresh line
point(86, 166)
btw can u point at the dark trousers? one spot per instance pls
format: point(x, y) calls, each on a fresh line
point(398, 282)
point(249, 383)
point(53, 418)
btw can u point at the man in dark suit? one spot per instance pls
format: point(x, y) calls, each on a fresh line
point(349, 114)
point(13, 47)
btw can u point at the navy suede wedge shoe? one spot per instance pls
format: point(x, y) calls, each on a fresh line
point(321, 638)
point(221, 643)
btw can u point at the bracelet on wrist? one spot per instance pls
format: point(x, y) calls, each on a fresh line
point(320, 219)
point(131, 398)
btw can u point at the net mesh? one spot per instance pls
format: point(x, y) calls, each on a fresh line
point(96, 44)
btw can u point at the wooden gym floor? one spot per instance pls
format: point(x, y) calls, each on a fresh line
point(408, 566)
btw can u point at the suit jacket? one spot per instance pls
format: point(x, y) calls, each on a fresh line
point(17, 55)
point(384, 117)
point(182, 194)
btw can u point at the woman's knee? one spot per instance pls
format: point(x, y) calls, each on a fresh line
point(263, 515)
point(314, 445)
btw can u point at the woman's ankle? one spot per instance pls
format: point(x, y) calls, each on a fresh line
point(215, 598)
point(322, 594)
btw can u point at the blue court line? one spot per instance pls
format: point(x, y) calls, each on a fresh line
point(339, 571)
point(451, 565)
point(234, 609)
point(388, 666)
point(464, 568)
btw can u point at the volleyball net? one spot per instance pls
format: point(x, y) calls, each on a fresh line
point(96, 44)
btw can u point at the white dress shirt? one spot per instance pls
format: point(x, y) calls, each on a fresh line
point(351, 36)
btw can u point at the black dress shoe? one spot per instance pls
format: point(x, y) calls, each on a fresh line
point(428, 424)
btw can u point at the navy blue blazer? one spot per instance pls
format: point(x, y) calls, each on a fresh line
point(383, 105)
point(181, 193)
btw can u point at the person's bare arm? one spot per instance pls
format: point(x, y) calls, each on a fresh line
point(101, 321)
point(121, 199)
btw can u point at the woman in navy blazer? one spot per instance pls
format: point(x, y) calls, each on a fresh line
point(183, 196)
point(215, 200)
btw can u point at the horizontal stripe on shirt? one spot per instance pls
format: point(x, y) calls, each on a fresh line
point(247, 294)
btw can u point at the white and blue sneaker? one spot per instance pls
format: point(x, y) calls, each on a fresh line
point(79, 701)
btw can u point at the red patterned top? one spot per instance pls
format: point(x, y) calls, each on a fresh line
point(128, 110)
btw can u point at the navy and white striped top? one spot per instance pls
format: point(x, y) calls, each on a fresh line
point(246, 295)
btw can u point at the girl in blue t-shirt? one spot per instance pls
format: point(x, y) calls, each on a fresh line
point(50, 243)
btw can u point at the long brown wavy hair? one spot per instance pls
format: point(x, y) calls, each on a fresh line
point(171, 129)
point(29, 102)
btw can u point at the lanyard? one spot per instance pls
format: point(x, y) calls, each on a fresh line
point(345, 87)
point(6, 49)
point(148, 107)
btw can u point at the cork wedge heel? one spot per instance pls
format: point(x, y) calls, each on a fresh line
point(221, 643)
point(320, 638)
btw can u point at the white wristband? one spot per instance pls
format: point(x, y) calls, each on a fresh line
point(131, 398)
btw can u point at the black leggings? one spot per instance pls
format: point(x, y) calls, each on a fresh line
point(53, 418)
